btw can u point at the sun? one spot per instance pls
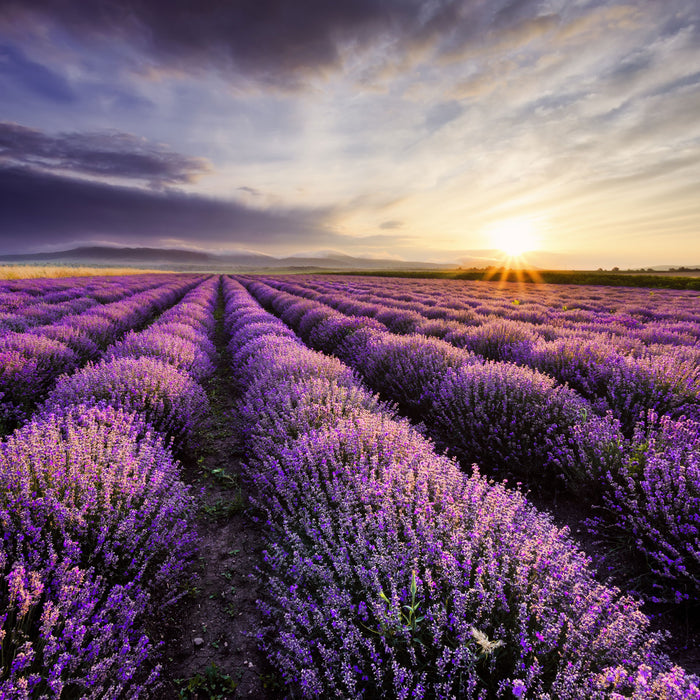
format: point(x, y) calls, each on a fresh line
point(513, 237)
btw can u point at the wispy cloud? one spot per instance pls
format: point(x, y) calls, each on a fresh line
point(109, 154)
point(277, 42)
point(391, 224)
point(35, 77)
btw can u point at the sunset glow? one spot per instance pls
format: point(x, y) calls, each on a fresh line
point(413, 130)
point(514, 237)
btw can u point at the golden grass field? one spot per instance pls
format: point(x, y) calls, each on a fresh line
point(16, 272)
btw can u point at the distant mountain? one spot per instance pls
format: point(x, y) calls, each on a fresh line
point(186, 260)
point(110, 255)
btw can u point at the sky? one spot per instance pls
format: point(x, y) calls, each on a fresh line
point(433, 130)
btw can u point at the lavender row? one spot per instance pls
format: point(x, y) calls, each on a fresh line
point(651, 316)
point(181, 336)
point(46, 302)
point(392, 574)
point(155, 372)
point(97, 524)
point(639, 335)
point(647, 327)
point(58, 287)
point(95, 537)
point(644, 324)
point(515, 421)
point(31, 361)
point(628, 386)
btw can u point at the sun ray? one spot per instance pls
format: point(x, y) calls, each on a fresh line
point(514, 239)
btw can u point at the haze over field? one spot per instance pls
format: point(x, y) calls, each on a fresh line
point(406, 129)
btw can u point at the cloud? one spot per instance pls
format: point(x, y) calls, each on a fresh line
point(270, 40)
point(110, 154)
point(391, 224)
point(275, 42)
point(251, 191)
point(514, 11)
point(34, 77)
point(38, 210)
point(442, 113)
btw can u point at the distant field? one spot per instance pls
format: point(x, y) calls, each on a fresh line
point(687, 279)
point(19, 272)
point(675, 273)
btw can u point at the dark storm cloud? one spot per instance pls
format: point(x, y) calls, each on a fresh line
point(106, 154)
point(40, 209)
point(273, 41)
point(34, 77)
point(270, 39)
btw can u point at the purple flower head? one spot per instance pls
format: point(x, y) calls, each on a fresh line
point(168, 399)
point(93, 484)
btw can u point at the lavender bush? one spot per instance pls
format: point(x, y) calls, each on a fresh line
point(394, 575)
point(333, 331)
point(95, 539)
point(28, 365)
point(75, 338)
point(664, 385)
point(405, 369)
point(509, 419)
point(186, 355)
point(65, 633)
point(31, 361)
point(168, 399)
point(642, 684)
point(165, 339)
point(649, 487)
point(496, 339)
point(95, 521)
point(506, 418)
point(95, 484)
point(276, 411)
point(188, 331)
point(599, 351)
point(282, 358)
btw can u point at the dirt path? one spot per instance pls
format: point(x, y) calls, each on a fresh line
point(210, 649)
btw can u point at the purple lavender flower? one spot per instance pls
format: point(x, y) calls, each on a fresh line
point(506, 417)
point(185, 355)
point(64, 632)
point(391, 573)
point(94, 484)
point(650, 488)
point(168, 399)
point(96, 537)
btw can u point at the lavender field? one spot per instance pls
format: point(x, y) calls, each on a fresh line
point(414, 452)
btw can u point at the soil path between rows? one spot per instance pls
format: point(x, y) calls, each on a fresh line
point(210, 648)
